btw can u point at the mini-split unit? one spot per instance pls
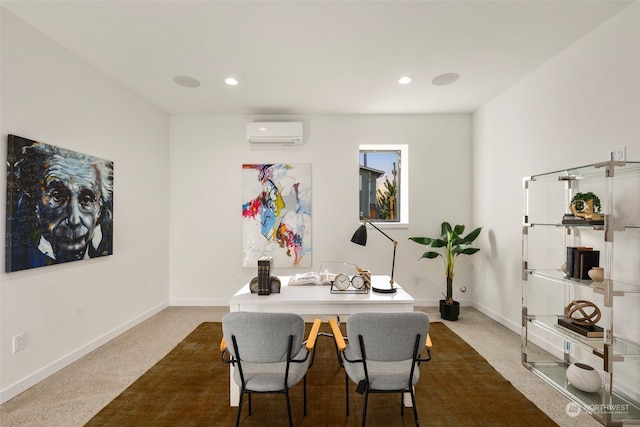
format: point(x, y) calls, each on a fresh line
point(283, 133)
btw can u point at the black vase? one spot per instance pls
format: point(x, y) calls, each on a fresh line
point(449, 311)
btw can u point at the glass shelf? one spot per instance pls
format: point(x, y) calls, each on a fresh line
point(616, 227)
point(620, 287)
point(555, 374)
point(621, 346)
point(586, 171)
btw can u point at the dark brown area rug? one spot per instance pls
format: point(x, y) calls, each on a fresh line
point(190, 387)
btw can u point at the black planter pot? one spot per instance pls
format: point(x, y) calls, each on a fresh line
point(449, 311)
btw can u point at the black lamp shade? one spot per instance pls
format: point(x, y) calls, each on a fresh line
point(360, 236)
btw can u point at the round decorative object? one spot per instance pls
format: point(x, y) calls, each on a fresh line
point(596, 274)
point(582, 312)
point(357, 281)
point(341, 282)
point(580, 206)
point(563, 267)
point(275, 285)
point(586, 205)
point(253, 285)
point(584, 377)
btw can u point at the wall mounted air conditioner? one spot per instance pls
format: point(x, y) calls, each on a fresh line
point(285, 133)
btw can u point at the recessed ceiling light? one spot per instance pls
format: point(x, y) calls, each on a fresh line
point(231, 81)
point(186, 81)
point(404, 80)
point(445, 79)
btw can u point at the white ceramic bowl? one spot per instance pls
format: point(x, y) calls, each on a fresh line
point(584, 377)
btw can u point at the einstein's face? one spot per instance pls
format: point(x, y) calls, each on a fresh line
point(69, 206)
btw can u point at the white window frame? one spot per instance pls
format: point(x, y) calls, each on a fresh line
point(403, 222)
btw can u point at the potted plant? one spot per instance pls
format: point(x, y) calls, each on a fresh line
point(581, 201)
point(453, 244)
point(586, 206)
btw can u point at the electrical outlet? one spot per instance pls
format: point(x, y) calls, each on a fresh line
point(18, 343)
point(619, 154)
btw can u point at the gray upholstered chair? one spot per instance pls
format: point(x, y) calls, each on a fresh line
point(383, 353)
point(268, 352)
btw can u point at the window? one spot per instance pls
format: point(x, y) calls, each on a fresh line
point(384, 183)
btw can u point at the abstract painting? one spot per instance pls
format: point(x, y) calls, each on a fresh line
point(276, 214)
point(59, 205)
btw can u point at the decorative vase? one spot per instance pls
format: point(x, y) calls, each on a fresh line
point(596, 274)
point(584, 377)
point(449, 311)
point(563, 267)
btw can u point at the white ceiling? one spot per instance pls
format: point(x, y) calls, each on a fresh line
point(303, 57)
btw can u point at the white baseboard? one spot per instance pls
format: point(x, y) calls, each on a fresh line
point(33, 379)
point(425, 303)
point(436, 303)
point(515, 327)
point(220, 302)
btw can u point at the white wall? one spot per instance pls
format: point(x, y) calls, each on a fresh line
point(569, 112)
point(207, 153)
point(67, 310)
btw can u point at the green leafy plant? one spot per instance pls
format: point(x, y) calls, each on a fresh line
point(386, 199)
point(585, 197)
point(452, 244)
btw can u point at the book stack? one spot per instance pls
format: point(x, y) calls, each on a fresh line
point(581, 259)
point(587, 331)
point(570, 219)
point(265, 265)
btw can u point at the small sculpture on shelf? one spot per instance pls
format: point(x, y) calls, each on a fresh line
point(580, 317)
point(577, 312)
point(597, 274)
point(585, 209)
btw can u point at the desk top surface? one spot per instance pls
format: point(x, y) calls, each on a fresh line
point(311, 294)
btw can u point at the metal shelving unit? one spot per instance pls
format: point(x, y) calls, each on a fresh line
point(546, 289)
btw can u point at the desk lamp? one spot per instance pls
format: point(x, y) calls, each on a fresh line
point(360, 238)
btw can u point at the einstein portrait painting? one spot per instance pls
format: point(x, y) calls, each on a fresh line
point(59, 205)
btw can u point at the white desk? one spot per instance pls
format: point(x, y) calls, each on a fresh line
point(317, 301)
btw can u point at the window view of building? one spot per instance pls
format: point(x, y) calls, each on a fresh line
point(380, 183)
